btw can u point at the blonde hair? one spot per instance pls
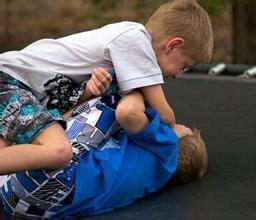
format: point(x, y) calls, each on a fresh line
point(193, 159)
point(185, 19)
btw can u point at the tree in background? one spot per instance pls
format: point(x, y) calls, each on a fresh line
point(213, 7)
point(6, 22)
point(244, 24)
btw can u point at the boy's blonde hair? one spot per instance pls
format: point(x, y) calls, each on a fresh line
point(193, 159)
point(185, 19)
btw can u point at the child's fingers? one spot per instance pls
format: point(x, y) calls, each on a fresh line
point(182, 130)
point(101, 87)
point(93, 89)
point(103, 75)
point(189, 131)
point(99, 81)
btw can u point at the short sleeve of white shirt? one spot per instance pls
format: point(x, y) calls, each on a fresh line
point(134, 60)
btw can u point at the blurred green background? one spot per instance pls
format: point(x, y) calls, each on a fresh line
point(25, 21)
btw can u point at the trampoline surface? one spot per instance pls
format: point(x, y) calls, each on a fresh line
point(224, 108)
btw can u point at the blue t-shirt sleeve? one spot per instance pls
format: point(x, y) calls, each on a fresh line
point(157, 137)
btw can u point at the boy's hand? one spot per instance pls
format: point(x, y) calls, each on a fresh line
point(99, 82)
point(182, 131)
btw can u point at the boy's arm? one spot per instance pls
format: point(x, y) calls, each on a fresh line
point(155, 98)
point(85, 96)
point(67, 114)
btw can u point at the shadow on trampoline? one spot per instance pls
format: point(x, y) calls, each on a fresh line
point(224, 109)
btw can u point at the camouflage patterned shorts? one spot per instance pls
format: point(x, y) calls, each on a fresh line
point(22, 116)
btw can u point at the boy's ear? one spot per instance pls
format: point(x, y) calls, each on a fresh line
point(174, 43)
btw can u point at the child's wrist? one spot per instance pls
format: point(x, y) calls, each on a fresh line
point(87, 93)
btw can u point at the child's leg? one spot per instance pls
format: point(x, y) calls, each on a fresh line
point(49, 150)
point(130, 112)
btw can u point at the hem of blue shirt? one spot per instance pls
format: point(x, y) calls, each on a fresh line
point(153, 125)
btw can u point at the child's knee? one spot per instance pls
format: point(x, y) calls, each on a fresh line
point(62, 153)
point(127, 113)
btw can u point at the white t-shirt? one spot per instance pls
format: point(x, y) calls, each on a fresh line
point(126, 46)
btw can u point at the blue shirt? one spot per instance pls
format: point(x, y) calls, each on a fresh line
point(128, 167)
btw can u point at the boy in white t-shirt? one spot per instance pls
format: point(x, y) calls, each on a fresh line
point(177, 36)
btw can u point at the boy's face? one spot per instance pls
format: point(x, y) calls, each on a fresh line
point(172, 59)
